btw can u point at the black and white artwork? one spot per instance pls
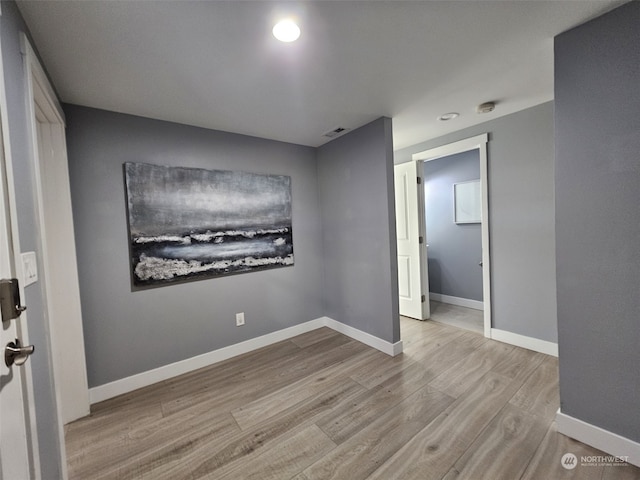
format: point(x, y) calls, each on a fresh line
point(189, 223)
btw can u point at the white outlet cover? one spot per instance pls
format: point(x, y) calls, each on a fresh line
point(29, 268)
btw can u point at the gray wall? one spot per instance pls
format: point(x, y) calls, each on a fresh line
point(522, 218)
point(355, 177)
point(131, 332)
point(454, 249)
point(11, 24)
point(597, 74)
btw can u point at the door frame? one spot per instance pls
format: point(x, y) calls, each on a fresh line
point(61, 284)
point(479, 143)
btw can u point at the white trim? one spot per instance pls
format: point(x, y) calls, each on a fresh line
point(530, 343)
point(461, 302)
point(62, 304)
point(452, 148)
point(391, 349)
point(597, 437)
point(38, 75)
point(478, 142)
point(134, 382)
point(484, 227)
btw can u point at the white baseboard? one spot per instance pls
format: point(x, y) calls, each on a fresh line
point(129, 384)
point(462, 302)
point(144, 379)
point(597, 437)
point(529, 343)
point(392, 349)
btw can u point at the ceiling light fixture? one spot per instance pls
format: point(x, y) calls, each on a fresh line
point(286, 31)
point(445, 117)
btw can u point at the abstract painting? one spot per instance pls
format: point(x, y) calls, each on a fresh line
point(191, 223)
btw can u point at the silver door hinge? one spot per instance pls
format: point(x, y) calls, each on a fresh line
point(423, 299)
point(421, 239)
point(419, 180)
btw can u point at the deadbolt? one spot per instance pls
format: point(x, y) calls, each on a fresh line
point(15, 353)
point(10, 299)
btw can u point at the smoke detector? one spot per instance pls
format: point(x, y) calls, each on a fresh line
point(486, 107)
point(335, 132)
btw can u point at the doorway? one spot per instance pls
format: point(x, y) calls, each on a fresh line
point(57, 242)
point(477, 145)
point(454, 239)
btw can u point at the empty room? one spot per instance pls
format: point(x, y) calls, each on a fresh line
point(320, 239)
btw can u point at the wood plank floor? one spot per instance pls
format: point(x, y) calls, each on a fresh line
point(456, 316)
point(322, 406)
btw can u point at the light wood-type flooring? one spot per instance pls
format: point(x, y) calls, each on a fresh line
point(456, 316)
point(322, 406)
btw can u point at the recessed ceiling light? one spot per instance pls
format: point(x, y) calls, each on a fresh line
point(448, 116)
point(286, 31)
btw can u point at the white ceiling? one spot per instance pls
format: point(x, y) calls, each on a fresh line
point(215, 64)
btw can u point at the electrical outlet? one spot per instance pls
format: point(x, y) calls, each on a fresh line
point(239, 319)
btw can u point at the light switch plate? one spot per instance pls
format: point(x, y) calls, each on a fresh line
point(29, 268)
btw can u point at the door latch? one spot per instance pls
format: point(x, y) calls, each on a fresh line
point(10, 299)
point(15, 353)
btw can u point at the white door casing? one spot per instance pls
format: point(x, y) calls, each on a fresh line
point(412, 274)
point(59, 263)
point(478, 142)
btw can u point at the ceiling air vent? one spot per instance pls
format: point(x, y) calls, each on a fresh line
point(335, 132)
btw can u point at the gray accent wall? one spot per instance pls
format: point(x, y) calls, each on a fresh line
point(455, 249)
point(597, 75)
point(522, 218)
point(355, 178)
point(129, 332)
point(11, 24)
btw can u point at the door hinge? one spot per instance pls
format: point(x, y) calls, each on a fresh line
point(420, 239)
point(419, 180)
point(423, 299)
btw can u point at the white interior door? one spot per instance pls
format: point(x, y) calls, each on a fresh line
point(412, 275)
point(15, 459)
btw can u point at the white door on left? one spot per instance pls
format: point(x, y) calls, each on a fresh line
point(15, 461)
point(412, 277)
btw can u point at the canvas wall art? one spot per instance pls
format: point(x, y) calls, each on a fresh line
point(190, 223)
